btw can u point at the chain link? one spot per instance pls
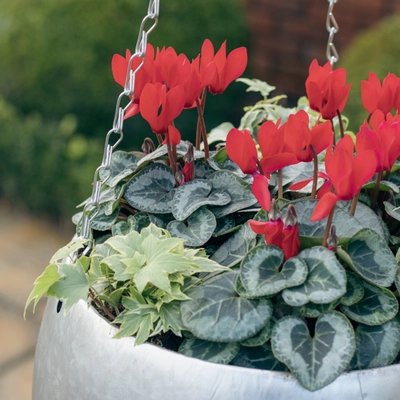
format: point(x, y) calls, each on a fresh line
point(103, 172)
point(332, 27)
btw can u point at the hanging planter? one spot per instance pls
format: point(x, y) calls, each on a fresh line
point(77, 357)
point(255, 254)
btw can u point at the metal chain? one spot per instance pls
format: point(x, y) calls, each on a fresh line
point(332, 27)
point(103, 172)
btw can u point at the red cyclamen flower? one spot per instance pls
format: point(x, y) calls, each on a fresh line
point(383, 139)
point(241, 149)
point(347, 172)
point(159, 107)
point(290, 234)
point(228, 68)
point(377, 96)
point(327, 91)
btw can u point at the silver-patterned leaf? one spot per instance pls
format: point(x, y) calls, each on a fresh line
point(378, 306)
point(232, 251)
point(372, 258)
point(260, 357)
point(315, 361)
point(194, 194)
point(197, 230)
point(261, 272)
point(326, 280)
point(225, 225)
point(312, 310)
point(355, 289)
point(218, 314)
point(134, 223)
point(221, 353)
point(261, 337)
point(151, 189)
point(377, 346)
point(239, 191)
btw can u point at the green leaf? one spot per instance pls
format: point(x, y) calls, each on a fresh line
point(134, 323)
point(378, 306)
point(134, 223)
point(194, 194)
point(224, 226)
point(171, 318)
point(72, 286)
point(42, 284)
point(123, 164)
point(372, 258)
point(199, 229)
point(315, 361)
point(311, 310)
point(384, 186)
point(377, 346)
point(239, 191)
point(393, 211)
point(355, 290)
point(218, 314)
point(346, 225)
point(73, 246)
point(261, 274)
point(255, 85)
point(126, 245)
point(101, 222)
point(151, 189)
point(219, 133)
point(261, 337)
point(326, 280)
point(202, 170)
point(260, 357)
point(233, 250)
point(221, 353)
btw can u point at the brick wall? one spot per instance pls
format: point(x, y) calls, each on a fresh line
point(287, 34)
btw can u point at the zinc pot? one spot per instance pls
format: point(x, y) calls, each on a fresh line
point(77, 358)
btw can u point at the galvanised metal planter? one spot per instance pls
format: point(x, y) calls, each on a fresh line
point(77, 358)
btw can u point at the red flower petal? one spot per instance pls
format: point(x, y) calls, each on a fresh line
point(241, 149)
point(324, 206)
point(261, 191)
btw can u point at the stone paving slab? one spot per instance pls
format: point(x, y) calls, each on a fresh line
point(26, 246)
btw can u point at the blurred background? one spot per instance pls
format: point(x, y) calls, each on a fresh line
point(57, 100)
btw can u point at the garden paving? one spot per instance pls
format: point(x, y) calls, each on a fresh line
point(26, 245)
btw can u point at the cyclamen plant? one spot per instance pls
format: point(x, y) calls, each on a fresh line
point(278, 250)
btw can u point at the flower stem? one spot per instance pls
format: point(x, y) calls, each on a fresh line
point(340, 124)
point(100, 304)
point(328, 227)
point(280, 186)
point(203, 130)
point(354, 204)
point(376, 189)
point(315, 179)
point(200, 113)
point(334, 135)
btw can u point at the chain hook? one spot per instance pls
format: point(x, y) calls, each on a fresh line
point(104, 171)
point(332, 27)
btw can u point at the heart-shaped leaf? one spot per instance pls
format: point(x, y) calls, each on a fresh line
point(202, 170)
point(225, 225)
point(199, 229)
point(239, 191)
point(261, 337)
point(326, 280)
point(218, 314)
point(151, 189)
point(236, 247)
point(372, 258)
point(311, 310)
point(377, 346)
point(194, 194)
point(134, 223)
point(123, 164)
point(346, 225)
point(221, 353)
point(261, 275)
point(355, 290)
point(260, 357)
point(315, 361)
point(378, 306)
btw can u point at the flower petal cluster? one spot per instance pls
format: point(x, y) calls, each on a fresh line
point(347, 173)
point(377, 96)
point(327, 91)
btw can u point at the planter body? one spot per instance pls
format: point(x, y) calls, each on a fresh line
point(77, 358)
